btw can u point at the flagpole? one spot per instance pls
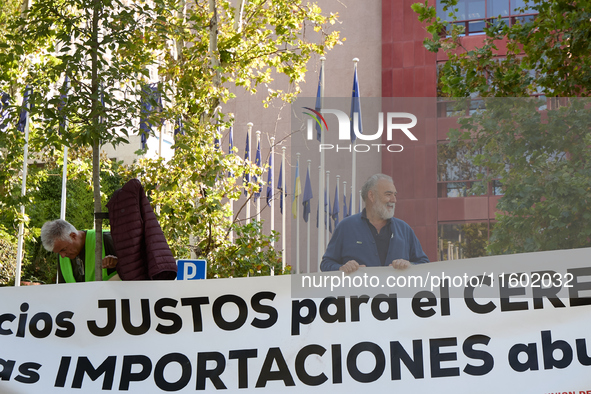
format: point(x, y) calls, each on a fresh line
point(65, 169)
point(308, 233)
point(327, 224)
point(354, 156)
point(351, 200)
point(21, 226)
point(231, 152)
point(64, 180)
point(248, 133)
point(271, 203)
point(160, 141)
point(283, 218)
point(319, 224)
point(296, 196)
point(258, 133)
point(321, 229)
point(338, 190)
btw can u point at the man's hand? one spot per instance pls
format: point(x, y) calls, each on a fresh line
point(350, 266)
point(400, 264)
point(110, 261)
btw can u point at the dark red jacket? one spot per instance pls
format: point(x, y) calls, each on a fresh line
point(142, 250)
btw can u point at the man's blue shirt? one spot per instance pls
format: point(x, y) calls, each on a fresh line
point(353, 240)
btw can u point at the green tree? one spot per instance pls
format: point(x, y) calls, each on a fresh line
point(40, 265)
point(537, 147)
point(198, 51)
point(247, 47)
point(475, 235)
point(45, 182)
point(7, 258)
point(99, 46)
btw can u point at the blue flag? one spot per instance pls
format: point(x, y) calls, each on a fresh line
point(24, 114)
point(355, 108)
point(318, 106)
point(270, 181)
point(216, 140)
point(63, 100)
point(178, 127)
point(4, 113)
point(257, 161)
point(231, 148)
point(336, 206)
point(150, 103)
point(345, 210)
point(280, 187)
point(246, 178)
point(307, 197)
point(327, 215)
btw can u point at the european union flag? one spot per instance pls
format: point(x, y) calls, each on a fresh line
point(345, 210)
point(336, 206)
point(63, 100)
point(24, 114)
point(307, 197)
point(151, 102)
point(4, 113)
point(257, 161)
point(355, 108)
point(318, 106)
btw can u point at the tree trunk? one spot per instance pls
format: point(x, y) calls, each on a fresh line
point(96, 171)
point(238, 16)
point(98, 221)
point(213, 48)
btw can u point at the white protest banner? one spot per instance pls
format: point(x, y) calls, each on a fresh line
point(522, 326)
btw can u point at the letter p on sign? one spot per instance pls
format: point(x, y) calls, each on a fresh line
point(191, 269)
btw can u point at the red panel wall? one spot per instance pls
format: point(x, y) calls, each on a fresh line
point(409, 70)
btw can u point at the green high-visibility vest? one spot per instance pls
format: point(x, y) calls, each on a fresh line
point(89, 261)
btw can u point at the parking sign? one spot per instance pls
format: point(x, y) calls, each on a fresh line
point(191, 269)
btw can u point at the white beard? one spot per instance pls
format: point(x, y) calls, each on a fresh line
point(383, 211)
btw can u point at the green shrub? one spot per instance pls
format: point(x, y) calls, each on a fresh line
point(8, 248)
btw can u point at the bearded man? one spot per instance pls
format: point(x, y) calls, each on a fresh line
point(374, 237)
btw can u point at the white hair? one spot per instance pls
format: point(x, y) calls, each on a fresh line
point(371, 183)
point(54, 230)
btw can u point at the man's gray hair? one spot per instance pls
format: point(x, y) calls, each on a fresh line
point(371, 183)
point(54, 230)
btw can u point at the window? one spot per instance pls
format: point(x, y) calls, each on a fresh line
point(457, 176)
point(462, 240)
point(475, 15)
point(497, 188)
point(448, 108)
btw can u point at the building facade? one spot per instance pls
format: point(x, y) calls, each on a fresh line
point(451, 212)
point(439, 195)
